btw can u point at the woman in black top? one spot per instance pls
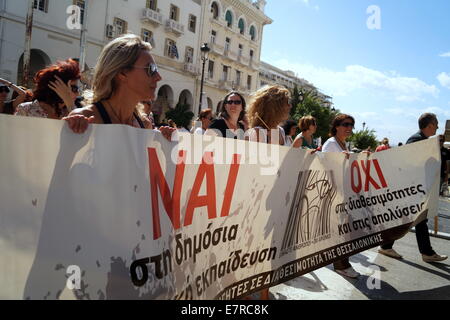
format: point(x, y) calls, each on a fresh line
point(232, 120)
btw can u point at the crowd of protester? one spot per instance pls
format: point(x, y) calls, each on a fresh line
point(124, 84)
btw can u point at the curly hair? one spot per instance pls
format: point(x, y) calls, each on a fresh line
point(66, 70)
point(338, 120)
point(267, 104)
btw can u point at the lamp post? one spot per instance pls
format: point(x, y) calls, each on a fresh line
point(364, 126)
point(205, 50)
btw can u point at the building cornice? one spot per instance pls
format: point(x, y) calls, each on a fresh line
point(250, 11)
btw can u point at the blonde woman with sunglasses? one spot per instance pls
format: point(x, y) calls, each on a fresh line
point(125, 75)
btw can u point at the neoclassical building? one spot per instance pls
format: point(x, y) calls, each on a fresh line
point(233, 30)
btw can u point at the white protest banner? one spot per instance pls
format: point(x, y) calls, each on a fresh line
point(121, 213)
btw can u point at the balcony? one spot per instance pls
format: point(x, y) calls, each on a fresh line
point(151, 16)
point(230, 54)
point(219, 21)
point(174, 27)
point(225, 84)
point(192, 69)
point(215, 48)
point(243, 59)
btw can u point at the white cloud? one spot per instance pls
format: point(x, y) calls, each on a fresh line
point(445, 55)
point(444, 79)
point(356, 77)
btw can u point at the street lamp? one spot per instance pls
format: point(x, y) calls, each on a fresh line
point(364, 126)
point(205, 50)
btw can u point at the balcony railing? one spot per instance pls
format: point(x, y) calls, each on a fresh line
point(191, 68)
point(149, 15)
point(175, 27)
point(215, 48)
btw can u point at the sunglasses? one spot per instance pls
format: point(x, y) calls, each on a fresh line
point(152, 69)
point(75, 89)
point(348, 124)
point(236, 102)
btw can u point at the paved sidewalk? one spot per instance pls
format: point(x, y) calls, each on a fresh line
point(410, 278)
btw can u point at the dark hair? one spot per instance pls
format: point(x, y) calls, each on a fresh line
point(223, 111)
point(2, 86)
point(338, 121)
point(426, 119)
point(66, 70)
point(288, 125)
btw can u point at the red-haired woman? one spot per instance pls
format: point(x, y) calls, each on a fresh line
point(56, 88)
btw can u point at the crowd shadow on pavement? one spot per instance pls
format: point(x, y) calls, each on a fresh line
point(388, 292)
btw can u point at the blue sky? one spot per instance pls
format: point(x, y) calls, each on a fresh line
point(384, 77)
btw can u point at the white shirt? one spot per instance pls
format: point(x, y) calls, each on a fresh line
point(331, 145)
point(200, 131)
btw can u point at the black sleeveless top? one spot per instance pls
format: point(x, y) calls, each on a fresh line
point(107, 119)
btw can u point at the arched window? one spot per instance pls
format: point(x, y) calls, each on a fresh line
point(215, 10)
point(253, 33)
point(241, 26)
point(229, 18)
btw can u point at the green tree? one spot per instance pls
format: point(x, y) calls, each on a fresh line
point(310, 104)
point(181, 115)
point(364, 139)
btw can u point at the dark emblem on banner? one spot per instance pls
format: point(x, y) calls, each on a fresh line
point(310, 213)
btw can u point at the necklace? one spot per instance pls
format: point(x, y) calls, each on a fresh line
point(341, 144)
point(113, 111)
point(230, 125)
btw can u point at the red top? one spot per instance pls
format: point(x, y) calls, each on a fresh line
point(382, 148)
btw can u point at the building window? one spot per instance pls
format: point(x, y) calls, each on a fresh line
point(225, 73)
point(152, 4)
point(241, 26)
point(215, 10)
point(227, 44)
point(173, 12)
point(147, 36)
point(238, 78)
point(211, 69)
point(229, 19)
point(241, 50)
point(189, 57)
point(192, 22)
point(82, 5)
point(251, 55)
point(253, 33)
point(249, 83)
point(171, 50)
point(41, 5)
point(213, 36)
point(120, 26)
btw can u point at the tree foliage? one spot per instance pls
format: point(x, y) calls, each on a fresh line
point(364, 139)
point(305, 102)
point(181, 115)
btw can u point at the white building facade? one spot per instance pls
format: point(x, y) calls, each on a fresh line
point(171, 26)
point(233, 29)
point(271, 75)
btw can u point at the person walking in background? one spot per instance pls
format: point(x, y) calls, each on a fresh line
point(428, 125)
point(205, 118)
point(231, 120)
point(290, 129)
point(383, 146)
point(56, 88)
point(308, 126)
point(269, 107)
point(445, 157)
point(341, 129)
point(19, 96)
